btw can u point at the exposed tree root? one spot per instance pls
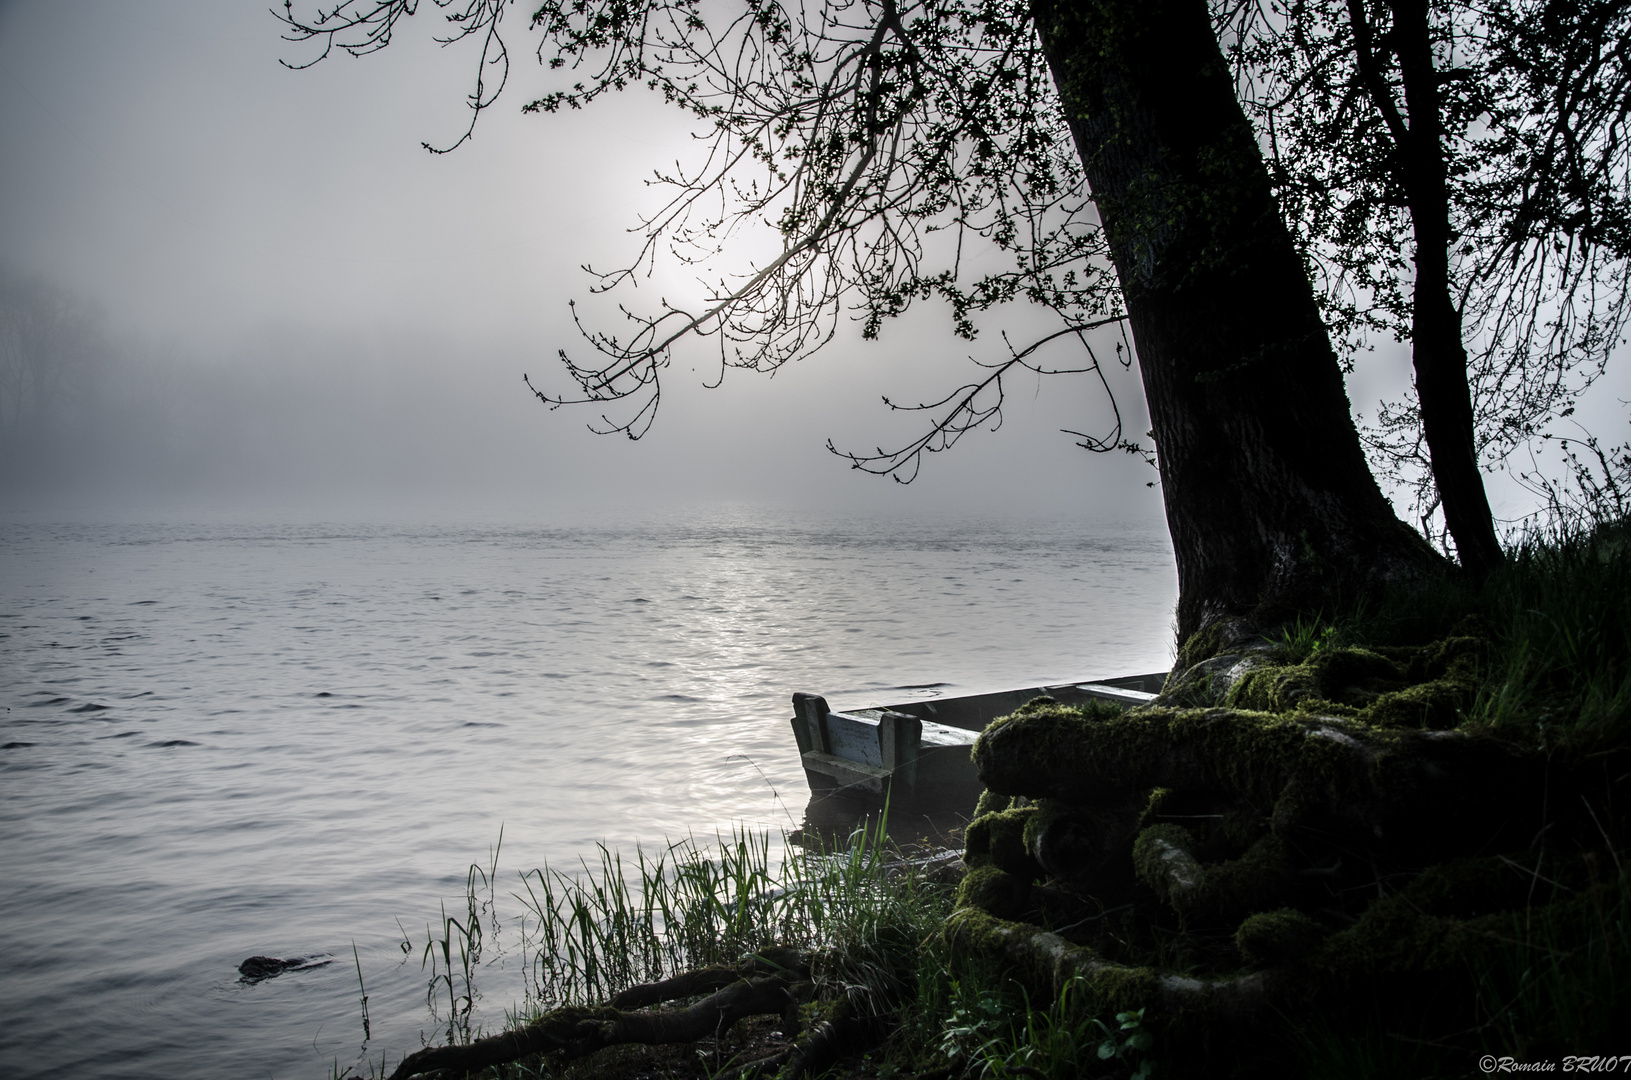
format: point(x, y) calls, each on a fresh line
point(1412, 788)
point(705, 980)
point(841, 1031)
point(575, 1032)
point(1048, 961)
point(1227, 866)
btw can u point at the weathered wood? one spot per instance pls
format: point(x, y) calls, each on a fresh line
point(810, 722)
point(898, 737)
point(1116, 694)
point(845, 773)
point(917, 752)
point(855, 738)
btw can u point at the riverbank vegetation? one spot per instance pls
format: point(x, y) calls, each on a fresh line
point(1385, 842)
point(816, 956)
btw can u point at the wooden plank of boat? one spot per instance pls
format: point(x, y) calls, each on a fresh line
point(918, 751)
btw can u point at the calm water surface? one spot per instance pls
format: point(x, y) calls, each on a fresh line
point(238, 738)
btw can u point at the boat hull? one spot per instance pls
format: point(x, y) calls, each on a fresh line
point(916, 753)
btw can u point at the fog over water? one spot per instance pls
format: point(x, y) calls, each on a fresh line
point(285, 300)
point(294, 303)
point(236, 738)
point(302, 596)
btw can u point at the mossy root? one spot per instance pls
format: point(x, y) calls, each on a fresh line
point(575, 1032)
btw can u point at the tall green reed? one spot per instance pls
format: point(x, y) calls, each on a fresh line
point(615, 923)
point(465, 937)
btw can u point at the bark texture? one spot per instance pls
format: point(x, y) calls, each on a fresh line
point(1268, 497)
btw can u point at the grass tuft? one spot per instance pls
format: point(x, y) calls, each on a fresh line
point(1557, 615)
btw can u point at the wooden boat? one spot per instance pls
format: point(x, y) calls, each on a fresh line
point(917, 752)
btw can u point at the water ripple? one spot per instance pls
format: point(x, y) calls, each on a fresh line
point(315, 727)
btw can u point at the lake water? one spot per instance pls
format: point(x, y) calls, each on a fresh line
point(244, 738)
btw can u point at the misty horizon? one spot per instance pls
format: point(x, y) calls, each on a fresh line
point(299, 306)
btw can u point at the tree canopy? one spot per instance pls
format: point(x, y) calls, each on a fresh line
point(882, 142)
point(1516, 134)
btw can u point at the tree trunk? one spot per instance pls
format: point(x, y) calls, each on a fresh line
point(1269, 500)
point(1438, 353)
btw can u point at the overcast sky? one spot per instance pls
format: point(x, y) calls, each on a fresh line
point(161, 162)
point(283, 227)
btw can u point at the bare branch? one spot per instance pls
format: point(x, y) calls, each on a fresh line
point(979, 404)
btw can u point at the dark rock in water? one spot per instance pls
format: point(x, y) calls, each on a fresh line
point(257, 968)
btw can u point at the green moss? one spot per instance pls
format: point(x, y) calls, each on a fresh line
point(1211, 640)
point(1187, 687)
point(1272, 938)
point(1248, 756)
point(991, 803)
point(1457, 657)
point(1318, 706)
point(1017, 750)
point(1163, 859)
point(1351, 673)
point(989, 889)
point(1439, 704)
point(1274, 688)
point(999, 840)
point(1160, 798)
point(1104, 989)
point(1078, 842)
point(1416, 687)
point(972, 930)
point(1047, 811)
point(1113, 990)
point(1252, 881)
point(1163, 856)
